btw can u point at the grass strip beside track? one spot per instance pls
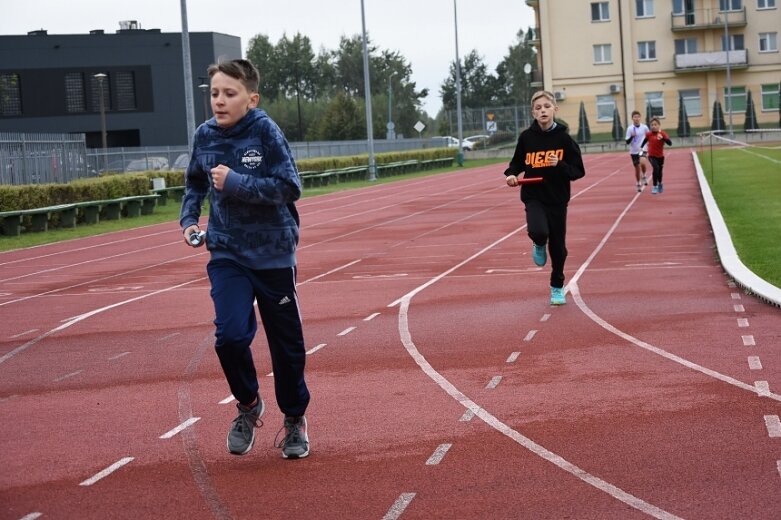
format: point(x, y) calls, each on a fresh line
point(746, 183)
point(170, 212)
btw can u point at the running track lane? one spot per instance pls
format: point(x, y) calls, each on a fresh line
point(587, 411)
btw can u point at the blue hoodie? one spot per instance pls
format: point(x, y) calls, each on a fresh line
point(253, 220)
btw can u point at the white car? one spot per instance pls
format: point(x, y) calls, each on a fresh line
point(474, 139)
point(452, 142)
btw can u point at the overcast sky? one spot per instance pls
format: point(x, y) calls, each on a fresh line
point(420, 30)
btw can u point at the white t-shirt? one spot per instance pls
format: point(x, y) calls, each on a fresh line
point(637, 133)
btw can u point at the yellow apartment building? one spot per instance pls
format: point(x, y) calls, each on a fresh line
point(632, 54)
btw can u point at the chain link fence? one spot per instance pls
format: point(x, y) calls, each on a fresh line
point(490, 120)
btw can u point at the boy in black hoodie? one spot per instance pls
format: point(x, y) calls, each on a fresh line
point(545, 150)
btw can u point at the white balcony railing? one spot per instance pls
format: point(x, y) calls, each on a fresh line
point(711, 60)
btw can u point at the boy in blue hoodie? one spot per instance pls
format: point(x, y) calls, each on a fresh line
point(545, 150)
point(242, 161)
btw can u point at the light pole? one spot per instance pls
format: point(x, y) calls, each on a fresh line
point(103, 137)
point(204, 88)
point(460, 156)
point(391, 126)
point(728, 97)
point(367, 92)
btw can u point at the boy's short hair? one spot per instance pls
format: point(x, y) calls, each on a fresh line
point(242, 70)
point(655, 119)
point(543, 93)
point(636, 113)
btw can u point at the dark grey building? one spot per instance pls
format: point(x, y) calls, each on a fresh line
point(48, 83)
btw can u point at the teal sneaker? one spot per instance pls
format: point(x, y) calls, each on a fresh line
point(295, 444)
point(557, 296)
point(539, 255)
point(241, 436)
point(655, 190)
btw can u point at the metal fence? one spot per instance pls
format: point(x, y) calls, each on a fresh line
point(61, 158)
point(42, 158)
point(488, 120)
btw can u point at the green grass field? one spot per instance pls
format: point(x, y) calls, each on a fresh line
point(170, 212)
point(746, 183)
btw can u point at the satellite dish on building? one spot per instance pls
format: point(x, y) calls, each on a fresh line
point(527, 68)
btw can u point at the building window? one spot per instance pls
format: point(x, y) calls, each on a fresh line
point(95, 93)
point(768, 42)
point(656, 102)
point(646, 51)
point(645, 8)
point(737, 99)
point(126, 90)
point(770, 97)
point(735, 43)
point(600, 12)
point(730, 5)
point(74, 93)
point(605, 106)
point(602, 54)
point(10, 95)
point(686, 46)
point(766, 4)
point(692, 102)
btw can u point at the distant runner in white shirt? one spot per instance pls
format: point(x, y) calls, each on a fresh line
point(634, 138)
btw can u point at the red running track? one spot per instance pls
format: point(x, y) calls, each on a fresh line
point(444, 385)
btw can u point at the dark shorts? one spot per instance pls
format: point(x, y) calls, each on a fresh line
point(635, 158)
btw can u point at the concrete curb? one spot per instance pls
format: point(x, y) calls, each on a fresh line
point(742, 275)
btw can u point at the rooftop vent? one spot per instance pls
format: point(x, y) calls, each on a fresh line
point(39, 32)
point(128, 25)
point(97, 31)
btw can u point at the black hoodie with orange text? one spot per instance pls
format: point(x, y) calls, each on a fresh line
point(530, 159)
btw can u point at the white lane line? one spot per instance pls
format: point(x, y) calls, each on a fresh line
point(763, 387)
point(332, 271)
point(399, 506)
point(468, 416)
point(513, 357)
point(773, 425)
point(316, 348)
point(123, 354)
point(778, 466)
point(754, 363)
point(739, 308)
point(748, 341)
point(545, 317)
point(494, 382)
point(66, 376)
point(530, 335)
point(743, 322)
point(185, 424)
point(371, 316)
point(227, 400)
point(8, 398)
point(346, 331)
point(23, 333)
point(106, 472)
point(735, 296)
point(169, 336)
point(31, 516)
point(438, 454)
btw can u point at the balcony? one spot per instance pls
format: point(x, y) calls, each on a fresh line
point(533, 36)
point(707, 19)
point(532, 3)
point(705, 61)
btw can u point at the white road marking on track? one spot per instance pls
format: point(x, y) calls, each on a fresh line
point(530, 335)
point(778, 467)
point(773, 425)
point(545, 317)
point(657, 264)
point(754, 363)
point(513, 357)
point(108, 471)
point(731, 284)
point(315, 349)
point(189, 422)
point(372, 276)
point(23, 333)
point(346, 331)
point(399, 506)
point(371, 316)
point(66, 376)
point(227, 399)
point(438, 454)
point(735, 296)
point(739, 308)
point(468, 416)
point(748, 341)
point(763, 387)
point(524, 270)
point(743, 322)
point(494, 382)
point(31, 516)
point(8, 398)
point(169, 336)
point(123, 354)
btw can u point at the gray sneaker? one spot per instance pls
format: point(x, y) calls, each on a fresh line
point(295, 444)
point(241, 436)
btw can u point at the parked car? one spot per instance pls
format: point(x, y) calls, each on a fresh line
point(181, 162)
point(475, 139)
point(147, 163)
point(452, 142)
point(113, 166)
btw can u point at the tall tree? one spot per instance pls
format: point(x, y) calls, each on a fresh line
point(618, 130)
point(750, 122)
point(717, 119)
point(478, 86)
point(584, 132)
point(684, 128)
point(342, 120)
point(262, 53)
point(513, 83)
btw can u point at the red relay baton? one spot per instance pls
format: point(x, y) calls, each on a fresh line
point(529, 180)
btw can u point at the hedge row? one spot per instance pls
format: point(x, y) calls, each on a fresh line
point(32, 196)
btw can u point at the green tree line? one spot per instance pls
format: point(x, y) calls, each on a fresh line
point(320, 96)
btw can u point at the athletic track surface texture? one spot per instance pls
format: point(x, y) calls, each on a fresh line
point(444, 385)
